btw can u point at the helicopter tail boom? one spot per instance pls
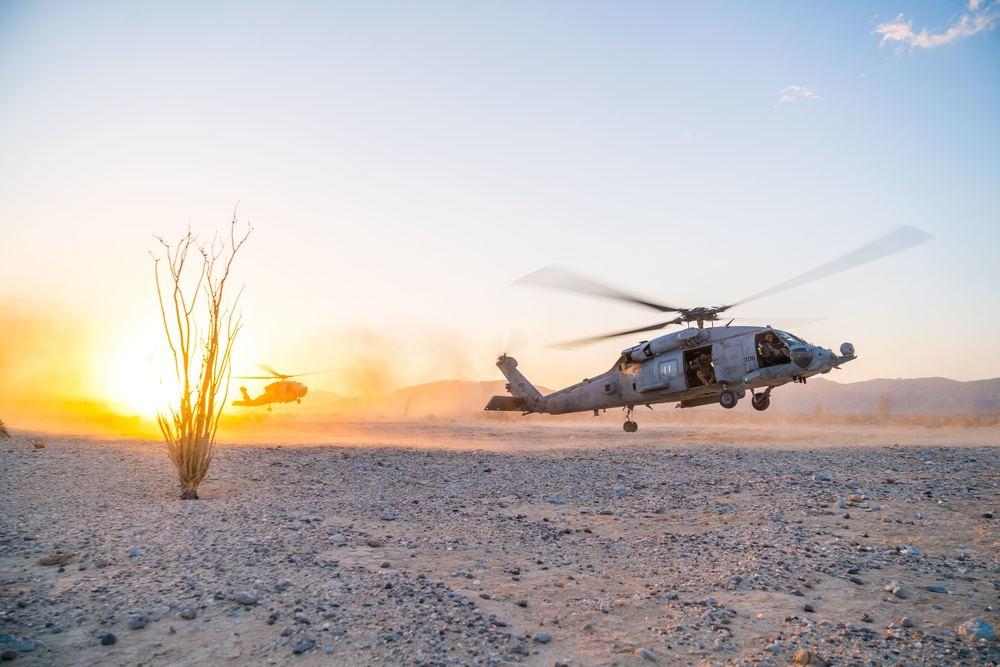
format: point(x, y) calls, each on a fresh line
point(524, 397)
point(246, 398)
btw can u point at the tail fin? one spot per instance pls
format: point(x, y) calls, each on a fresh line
point(523, 396)
point(246, 398)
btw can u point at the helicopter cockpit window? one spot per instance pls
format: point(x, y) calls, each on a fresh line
point(668, 369)
point(790, 339)
point(771, 349)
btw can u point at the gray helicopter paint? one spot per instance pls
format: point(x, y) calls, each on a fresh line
point(742, 358)
point(636, 378)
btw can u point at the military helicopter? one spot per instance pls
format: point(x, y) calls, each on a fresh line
point(282, 391)
point(698, 365)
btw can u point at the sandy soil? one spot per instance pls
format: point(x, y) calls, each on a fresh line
point(439, 544)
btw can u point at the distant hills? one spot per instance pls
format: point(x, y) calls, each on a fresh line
point(458, 399)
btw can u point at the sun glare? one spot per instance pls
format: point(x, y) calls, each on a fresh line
point(137, 376)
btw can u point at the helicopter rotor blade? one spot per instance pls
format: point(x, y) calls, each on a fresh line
point(281, 376)
point(268, 369)
point(553, 277)
point(899, 239)
point(574, 344)
point(298, 375)
point(778, 322)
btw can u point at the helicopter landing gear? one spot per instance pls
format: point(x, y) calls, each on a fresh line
point(629, 426)
point(728, 399)
point(268, 407)
point(298, 400)
point(761, 402)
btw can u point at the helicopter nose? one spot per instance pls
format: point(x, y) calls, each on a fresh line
point(823, 359)
point(802, 356)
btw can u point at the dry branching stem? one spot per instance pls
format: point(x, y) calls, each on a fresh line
point(201, 352)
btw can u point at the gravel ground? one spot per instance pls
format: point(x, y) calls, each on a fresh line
point(418, 544)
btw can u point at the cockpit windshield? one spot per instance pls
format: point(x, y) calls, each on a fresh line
point(790, 339)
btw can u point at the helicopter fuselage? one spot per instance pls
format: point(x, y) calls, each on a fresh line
point(692, 367)
point(283, 391)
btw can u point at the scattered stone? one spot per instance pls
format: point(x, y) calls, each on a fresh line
point(977, 629)
point(108, 639)
point(138, 622)
point(16, 644)
point(682, 530)
point(389, 516)
point(55, 559)
point(935, 588)
point(374, 543)
point(804, 657)
point(246, 597)
point(9, 654)
point(303, 646)
point(897, 589)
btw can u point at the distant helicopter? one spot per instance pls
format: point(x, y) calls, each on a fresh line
point(696, 366)
point(282, 391)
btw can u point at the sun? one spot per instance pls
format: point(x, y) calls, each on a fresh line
point(133, 374)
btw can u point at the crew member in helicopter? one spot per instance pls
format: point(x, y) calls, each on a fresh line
point(771, 351)
point(703, 368)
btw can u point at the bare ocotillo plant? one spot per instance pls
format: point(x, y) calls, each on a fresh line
point(201, 350)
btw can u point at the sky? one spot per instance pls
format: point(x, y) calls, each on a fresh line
point(402, 164)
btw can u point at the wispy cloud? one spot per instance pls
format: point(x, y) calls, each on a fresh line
point(981, 16)
point(792, 93)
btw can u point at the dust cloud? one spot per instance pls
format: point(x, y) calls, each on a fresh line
point(372, 362)
point(45, 370)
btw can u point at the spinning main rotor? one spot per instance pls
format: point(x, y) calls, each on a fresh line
point(276, 375)
point(556, 278)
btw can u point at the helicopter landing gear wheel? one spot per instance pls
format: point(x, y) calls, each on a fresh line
point(268, 408)
point(298, 400)
point(728, 399)
point(629, 426)
point(760, 402)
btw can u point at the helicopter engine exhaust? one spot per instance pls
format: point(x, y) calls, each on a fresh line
point(648, 350)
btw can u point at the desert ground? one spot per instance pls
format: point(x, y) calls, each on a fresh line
point(526, 542)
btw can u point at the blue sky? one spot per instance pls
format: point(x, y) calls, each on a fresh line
point(403, 163)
